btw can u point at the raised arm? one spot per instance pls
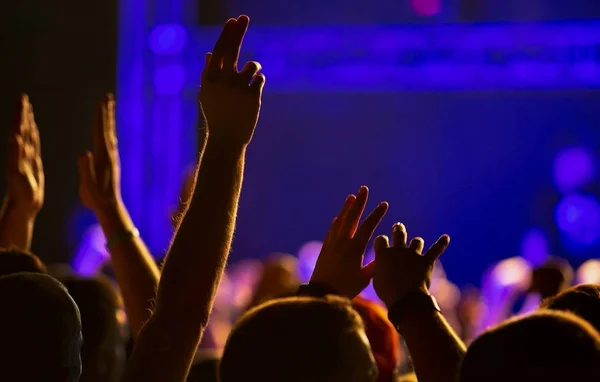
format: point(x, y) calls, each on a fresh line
point(100, 190)
point(25, 180)
point(402, 278)
point(230, 101)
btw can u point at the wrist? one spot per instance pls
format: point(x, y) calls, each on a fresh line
point(114, 219)
point(226, 143)
point(26, 211)
point(412, 306)
point(313, 289)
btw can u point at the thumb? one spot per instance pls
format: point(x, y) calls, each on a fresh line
point(368, 272)
point(85, 164)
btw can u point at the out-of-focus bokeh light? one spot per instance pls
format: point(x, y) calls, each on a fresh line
point(589, 272)
point(169, 80)
point(91, 254)
point(534, 247)
point(307, 259)
point(573, 168)
point(578, 217)
point(167, 39)
point(243, 277)
point(427, 7)
point(515, 271)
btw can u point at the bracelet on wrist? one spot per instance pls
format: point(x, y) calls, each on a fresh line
point(122, 237)
point(314, 290)
point(415, 302)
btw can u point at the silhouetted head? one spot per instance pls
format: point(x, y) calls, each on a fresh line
point(545, 346)
point(383, 337)
point(15, 261)
point(299, 339)
point(583, 300)
point(40, 330)
point(103, 351)
point(205, 369)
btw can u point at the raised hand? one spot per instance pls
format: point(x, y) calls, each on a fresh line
point(402, 269)
point(340, 263)
point(231, 99)
point(25, 170)
point(100, 170)
point(100, 190)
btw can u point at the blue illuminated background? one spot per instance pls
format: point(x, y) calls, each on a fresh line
point(486, 131)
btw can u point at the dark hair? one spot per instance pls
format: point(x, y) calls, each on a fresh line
point(544, 346)
point(583, 300)
point(40, 330)
point(205, 369)
point(299, 339)
point(103, 351)
point(13, 260)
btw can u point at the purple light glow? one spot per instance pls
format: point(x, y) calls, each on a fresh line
point(573, 168)
point(426, 7)
point(307, 259)
point(169, 80)
point(91, 254)
point(578, 217)
point(534, 247)
point(167, 39)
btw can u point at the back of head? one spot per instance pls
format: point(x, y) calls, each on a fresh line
point(15, 261)
point(545, 346)
point(103, 351)
point(40, 330)
point(583, 300)
point(299, 339)
point(383, 337)
point(205, 369)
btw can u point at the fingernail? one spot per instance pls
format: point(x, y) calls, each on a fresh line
point(399, 226)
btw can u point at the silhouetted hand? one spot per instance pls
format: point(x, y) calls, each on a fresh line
point(100, 170)
point(402, 269)
point(230, 100)
point(25, 170)
point(340, 263)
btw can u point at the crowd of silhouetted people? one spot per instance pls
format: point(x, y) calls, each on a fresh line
point(191, 319)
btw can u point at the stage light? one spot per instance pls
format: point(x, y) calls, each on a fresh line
point(578, 217)
point(534, 247)
point(307, 259)
point(426, 7)
point(514, 271)
point(167, 39)
point(169, 80)
point(589, 272)
point(91, 254)
point(573, 168)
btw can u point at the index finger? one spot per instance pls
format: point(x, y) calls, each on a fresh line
point(100, 143)
point(220, 47)
point(230, 59)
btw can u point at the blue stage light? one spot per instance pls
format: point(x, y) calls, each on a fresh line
point(169, 80)
point(578, 217)
point(167, 39)
point(573, 168)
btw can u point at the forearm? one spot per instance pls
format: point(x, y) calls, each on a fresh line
point(192, 270)
point(435, 350)
point(16, 227)
point(136, 271)
point(199, 251)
